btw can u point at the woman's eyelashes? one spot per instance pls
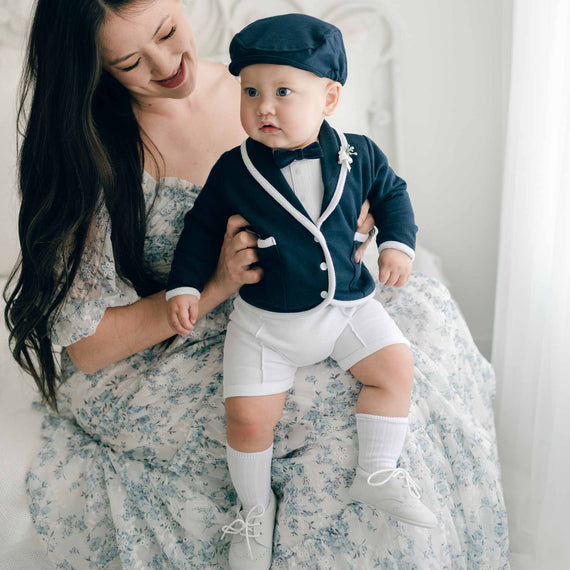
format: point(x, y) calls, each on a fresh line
point(131, 66)
point(170, 34)
point(166, 37)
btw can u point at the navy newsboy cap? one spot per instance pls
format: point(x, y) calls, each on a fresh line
point(297, 40)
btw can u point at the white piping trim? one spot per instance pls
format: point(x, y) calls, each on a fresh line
point(182, 291)
point(399, 246)
point(352, 302)
point(267, 242)
point(339, 185)
point(303, 220)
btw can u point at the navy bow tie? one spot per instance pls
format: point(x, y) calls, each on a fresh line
point(285, 157)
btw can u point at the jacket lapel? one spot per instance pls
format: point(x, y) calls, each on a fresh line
point(329, 163)
point(262, 158)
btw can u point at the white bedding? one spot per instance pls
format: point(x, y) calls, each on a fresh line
point(20, 441)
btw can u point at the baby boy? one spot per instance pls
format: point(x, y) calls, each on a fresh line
point(301, 184)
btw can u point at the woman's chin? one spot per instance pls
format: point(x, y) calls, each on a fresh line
point(182, 92)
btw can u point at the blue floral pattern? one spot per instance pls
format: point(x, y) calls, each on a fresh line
point(133, 471)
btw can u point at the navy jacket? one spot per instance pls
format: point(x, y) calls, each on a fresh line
point(306, 264)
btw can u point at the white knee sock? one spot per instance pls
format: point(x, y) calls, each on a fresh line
point(251, 476)
point(380, 441)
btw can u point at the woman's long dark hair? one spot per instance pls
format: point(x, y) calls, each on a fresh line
point(79, 143)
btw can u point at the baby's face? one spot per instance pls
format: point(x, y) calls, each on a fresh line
point(283, 106)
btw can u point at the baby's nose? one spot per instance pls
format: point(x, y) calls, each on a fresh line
point(265, 106)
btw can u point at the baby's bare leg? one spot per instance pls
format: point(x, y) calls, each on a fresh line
point(383, 405)
point(250, 424)
point(251, 421)
point(387, 377)
point(382, 423)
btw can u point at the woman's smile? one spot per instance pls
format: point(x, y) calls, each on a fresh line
point(176, 79)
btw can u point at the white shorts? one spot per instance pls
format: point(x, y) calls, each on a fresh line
point(263, 349)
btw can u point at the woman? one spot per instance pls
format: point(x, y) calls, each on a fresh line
point(119, 116)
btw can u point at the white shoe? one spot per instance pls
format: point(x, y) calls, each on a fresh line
point(252, 542)
point(395, 493)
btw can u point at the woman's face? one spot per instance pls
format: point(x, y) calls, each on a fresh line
point(150, 48)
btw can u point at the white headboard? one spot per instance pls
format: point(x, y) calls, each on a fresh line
point(369, 102)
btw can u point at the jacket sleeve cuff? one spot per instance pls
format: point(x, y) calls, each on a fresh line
point(399, 246)
point(182, 291)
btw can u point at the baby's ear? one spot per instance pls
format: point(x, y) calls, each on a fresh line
point(333, 90)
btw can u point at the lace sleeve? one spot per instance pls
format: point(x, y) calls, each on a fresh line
point(95, 287)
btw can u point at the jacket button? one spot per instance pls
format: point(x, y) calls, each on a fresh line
point(324, 294)
point(323, 266)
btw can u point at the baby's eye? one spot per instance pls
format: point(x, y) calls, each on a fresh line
point(251, 92)
point(283, 91)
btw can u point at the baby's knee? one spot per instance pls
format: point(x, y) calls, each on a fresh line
point(391, 368)
point(404, 368)
point(403, 358)
point(246, 417)
point(400, 363)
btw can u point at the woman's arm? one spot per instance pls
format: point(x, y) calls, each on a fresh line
point(124, 331)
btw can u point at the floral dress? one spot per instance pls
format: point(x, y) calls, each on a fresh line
point(133, 473)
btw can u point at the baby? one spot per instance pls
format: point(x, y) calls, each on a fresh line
point(301, 184)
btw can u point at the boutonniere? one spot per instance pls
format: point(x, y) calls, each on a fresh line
point(344, 155)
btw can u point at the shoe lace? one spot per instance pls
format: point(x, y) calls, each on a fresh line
point(414, 489)
point(246, 527)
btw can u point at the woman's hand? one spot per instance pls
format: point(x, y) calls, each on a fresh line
point(365, 226)
point(123, 331)
point(236, 258)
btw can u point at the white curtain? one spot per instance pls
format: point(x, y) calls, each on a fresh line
point(531, 351)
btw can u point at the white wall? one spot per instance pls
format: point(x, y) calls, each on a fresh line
point(452, 91)
point(452, 126)
point(10, 65)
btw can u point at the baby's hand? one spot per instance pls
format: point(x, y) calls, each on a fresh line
point(183, 313)
point(395, 267)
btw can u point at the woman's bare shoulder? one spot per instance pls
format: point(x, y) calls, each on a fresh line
point(221, 102)
point(217, 80)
